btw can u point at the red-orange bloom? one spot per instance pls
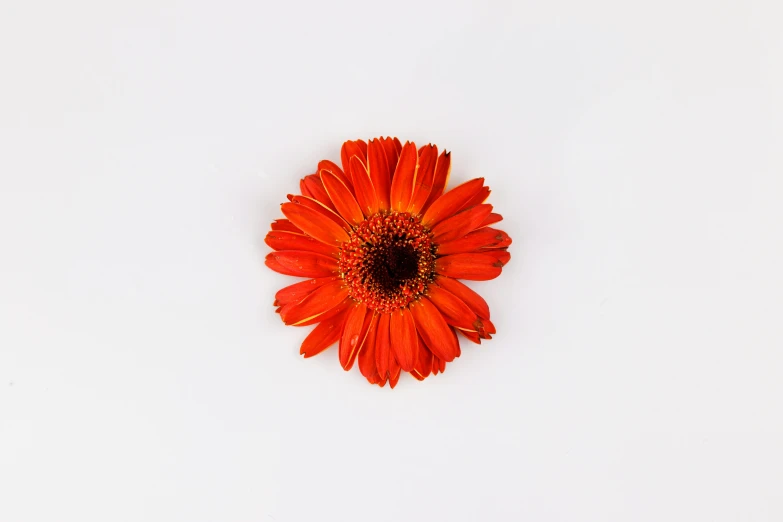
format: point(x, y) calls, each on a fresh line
point(383, 248)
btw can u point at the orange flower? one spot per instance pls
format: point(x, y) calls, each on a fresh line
point(383, 248)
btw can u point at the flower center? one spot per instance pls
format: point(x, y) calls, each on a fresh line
point(388, 261)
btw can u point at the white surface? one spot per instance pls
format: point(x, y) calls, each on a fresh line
point(634, 150)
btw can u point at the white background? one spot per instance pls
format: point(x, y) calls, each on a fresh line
point(635, 150)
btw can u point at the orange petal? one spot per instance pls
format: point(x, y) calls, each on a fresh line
point(440, 179)
point(440, 364)
point(452, 202)
point(323, 336)
point(394, 372)
point(319, 301)
point(365, 192)
point(337, 171)
point(453, 309)
point(404, 178)
point(503, 256)
point(383, 346)
point(285, 308)
point(489, 327)
point(492, 219)
point(397, 146)
point(460, 224)
point(342, 198)
point(317, 191)
point(423, 366)
point(302, 263)
point(350, 149)
point(473, 336)
point(314, 224)
point(303, 189)
point(375, 379)
point(480, 197)
point(433, 330)
point(481, 239)
point(379, 171)
point(298, 291)
point(272, 263)
point(367, 354)
point(404, 343)
point(474, 301)
point(353, 335)
point(392, 154)
point(280, 240)
point(474, 267)
point(320, 208)
point(284, 224)
point(428, 157)
point(340, 308)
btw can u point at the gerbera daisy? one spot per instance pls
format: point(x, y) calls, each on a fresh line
point(383, 247)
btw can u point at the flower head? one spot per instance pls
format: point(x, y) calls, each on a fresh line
point(383, 248)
